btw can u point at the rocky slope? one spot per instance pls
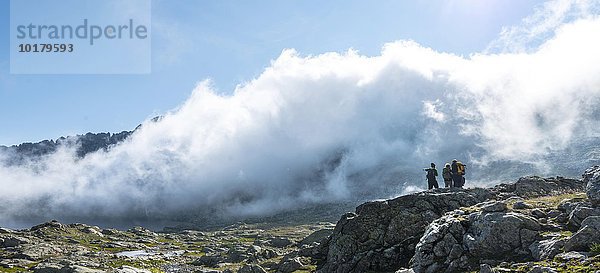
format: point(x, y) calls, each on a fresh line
point(533, 225)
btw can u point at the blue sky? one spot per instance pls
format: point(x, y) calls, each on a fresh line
point(231, 42)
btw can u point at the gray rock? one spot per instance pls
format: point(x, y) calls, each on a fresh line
point(381, 235)
point(252, 268)
point(453, 243)
point(241, 253)
point(568, 205)
point(203, 270)
point(580, 213)
point(587, 235)
point(538, 213)
point(47, 268)
point(38, 251)
point(79, 269)
point(51, 224)
point(13, 241)
point(208, 260)
point(485, 268)
point(110, 231)
point(547, 249)
point(521, 205)
point(542, 269)
point(316, 237)
point(129, 269)
point(591, 177)
point(571, 255)
point(59, 268)
point(280, 242)
point(553, 213)
point(5, 231)
point(534, 186)
point(289, 265)
point(494, 207)
point(93, 230)
point(141, 231)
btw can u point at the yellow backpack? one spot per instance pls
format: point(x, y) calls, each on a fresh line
point(460, 167)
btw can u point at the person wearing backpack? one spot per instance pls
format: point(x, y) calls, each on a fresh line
point(447, 175)
point(458, 171)
point(431, 174)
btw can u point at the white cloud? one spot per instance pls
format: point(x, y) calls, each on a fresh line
point(430, 110)
point(542, 24)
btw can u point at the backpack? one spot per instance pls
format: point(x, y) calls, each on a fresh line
point(460, 167)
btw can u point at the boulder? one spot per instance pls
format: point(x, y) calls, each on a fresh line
point(208, 260)
point(51, 224)
point(538, 213)
point(568, 205)
point(542, 269)
point(494, 206)
point(588, 234)
point(110, 231)
point(141, 231)
point(457, 243)
point(204, 270)
point(252, 268)
point(58, 268)
point(13, 241)
point(280, 242)
point(547, 249)
point(571, 256)
point(129, 269)
point(485, 268)
point(38, 251)
point(591, 177)
point(241, 253)
point(316, 237)
point(381, 235)
point(5, 230)
point(47, 268)
point(80, 269)
point(521, 205)
point(289, 265)
point(580, 213)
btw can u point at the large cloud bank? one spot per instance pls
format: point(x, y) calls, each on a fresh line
point(334, 126)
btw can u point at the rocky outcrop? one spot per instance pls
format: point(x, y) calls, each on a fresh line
point(382, 235)
point(456, 243)
point(534, 186)
point(592, 179)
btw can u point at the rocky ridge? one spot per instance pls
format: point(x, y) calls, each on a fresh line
point(84, 144)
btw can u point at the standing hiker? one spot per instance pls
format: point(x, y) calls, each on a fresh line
point(458, 171)
point(447, 175)
point(431, 174)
